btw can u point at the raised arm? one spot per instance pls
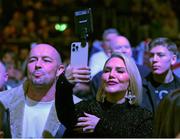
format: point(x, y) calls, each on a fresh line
point(64, 89)
point(64, 102)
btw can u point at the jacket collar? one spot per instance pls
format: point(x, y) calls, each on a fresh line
point(16, 108)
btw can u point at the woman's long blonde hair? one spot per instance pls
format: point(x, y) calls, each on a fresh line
point(135, 84)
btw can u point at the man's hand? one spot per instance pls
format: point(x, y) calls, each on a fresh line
point(77, 75)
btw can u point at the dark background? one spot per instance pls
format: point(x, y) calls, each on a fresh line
point(27, 21)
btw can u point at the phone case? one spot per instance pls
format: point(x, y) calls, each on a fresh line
point(79, 54)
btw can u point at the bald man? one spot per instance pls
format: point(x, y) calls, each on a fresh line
point(31, 105)
point(121, 44)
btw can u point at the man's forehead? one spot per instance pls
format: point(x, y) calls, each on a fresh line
point(43, 49)
point(119, 40)
point(159, 49)
point(109, 36)
point(120, 44)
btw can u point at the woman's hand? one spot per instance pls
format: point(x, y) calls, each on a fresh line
point(77, 75)
point(87, 123)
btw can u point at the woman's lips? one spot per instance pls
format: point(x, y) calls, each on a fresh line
point(111, 83)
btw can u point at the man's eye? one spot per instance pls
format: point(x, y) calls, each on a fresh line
point(119, 47)
point(31, 60)
point(47, 60)
point(161, 55)
point(127, 47)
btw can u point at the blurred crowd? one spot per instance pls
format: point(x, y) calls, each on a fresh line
point(133, 66)
point(25, 22)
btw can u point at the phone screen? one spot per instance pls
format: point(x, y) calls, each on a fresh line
point(83, 21)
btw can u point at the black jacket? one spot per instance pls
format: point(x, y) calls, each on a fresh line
point(150, 100)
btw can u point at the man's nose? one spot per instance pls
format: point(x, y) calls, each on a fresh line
point(155, 58)
point(38, 63)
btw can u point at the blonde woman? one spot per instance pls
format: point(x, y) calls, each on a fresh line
point(115, 112)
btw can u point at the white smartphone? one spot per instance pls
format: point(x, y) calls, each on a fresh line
point(79, 54)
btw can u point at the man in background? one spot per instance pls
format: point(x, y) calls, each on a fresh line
point(161, 81)
point(97, 60)
point(3, 77)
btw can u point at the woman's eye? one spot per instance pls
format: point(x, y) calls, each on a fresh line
point(120, 71)
point(106, 70)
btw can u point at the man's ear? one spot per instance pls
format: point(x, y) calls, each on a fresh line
point(6, 77)
point(60, 70)
point(173, 59)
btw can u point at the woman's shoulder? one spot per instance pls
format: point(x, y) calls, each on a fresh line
point(91, 102)
point(141, 112)
point(89, 106)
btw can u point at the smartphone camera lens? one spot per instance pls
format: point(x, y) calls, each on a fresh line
point(75, 47)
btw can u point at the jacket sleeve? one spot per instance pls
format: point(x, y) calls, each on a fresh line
point(149, 100)
point(64, 102)
point(4, 122)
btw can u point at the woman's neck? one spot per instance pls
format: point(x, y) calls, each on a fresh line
point(117, 98)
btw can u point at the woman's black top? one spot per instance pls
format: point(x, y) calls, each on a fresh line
point(116, 120)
